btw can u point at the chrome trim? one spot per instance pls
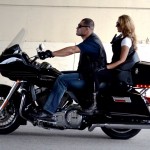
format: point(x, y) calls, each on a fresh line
point(21, 106)
point(11, 92)
point(121, 126)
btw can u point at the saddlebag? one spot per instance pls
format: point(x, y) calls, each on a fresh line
point(141, 73)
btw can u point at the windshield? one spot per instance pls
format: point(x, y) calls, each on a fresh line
point(18, 39)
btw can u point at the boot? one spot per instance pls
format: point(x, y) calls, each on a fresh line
point(89, 111)
point(45, 116)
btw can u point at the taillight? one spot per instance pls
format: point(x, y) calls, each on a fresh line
point(142, 86)
point(148, 99)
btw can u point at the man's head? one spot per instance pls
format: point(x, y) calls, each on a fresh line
point(85, 28)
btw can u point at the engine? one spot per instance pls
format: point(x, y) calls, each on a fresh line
point(73, 119)
point(68, 119)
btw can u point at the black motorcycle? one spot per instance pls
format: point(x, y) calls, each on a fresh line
point(123, 110)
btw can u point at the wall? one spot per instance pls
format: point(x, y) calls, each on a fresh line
point(56, 20)
point(54, 23)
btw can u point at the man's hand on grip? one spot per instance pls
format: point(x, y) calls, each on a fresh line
point(47, 54)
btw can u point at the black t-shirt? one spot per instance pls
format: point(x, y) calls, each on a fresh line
point(92, 54)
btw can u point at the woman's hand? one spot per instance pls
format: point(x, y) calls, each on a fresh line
point(123, 57)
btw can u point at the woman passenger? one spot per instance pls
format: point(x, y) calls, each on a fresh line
point(124, 53)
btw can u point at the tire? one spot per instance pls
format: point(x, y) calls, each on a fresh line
point(9, 117)
point(123, 134)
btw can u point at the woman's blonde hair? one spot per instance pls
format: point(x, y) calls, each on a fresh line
point(128, 28)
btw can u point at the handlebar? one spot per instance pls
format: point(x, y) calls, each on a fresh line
point(39, 50)
point(35, 58)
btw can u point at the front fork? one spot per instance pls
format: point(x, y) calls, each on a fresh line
point(11, 92)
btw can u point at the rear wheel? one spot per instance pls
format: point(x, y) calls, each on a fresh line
point(120, 133)
point(9, 117)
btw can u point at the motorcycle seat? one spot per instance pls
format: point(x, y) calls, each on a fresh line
point(105, 87)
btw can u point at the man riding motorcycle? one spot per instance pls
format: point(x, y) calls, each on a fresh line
point(92, 55)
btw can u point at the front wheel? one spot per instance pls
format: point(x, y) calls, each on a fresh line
point(9, 117)
point(120, 133)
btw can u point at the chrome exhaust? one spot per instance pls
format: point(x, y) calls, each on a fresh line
point(120, 126)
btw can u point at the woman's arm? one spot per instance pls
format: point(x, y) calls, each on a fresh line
point(123, 56)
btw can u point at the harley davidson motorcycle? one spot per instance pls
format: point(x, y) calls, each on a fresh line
point(123, 110)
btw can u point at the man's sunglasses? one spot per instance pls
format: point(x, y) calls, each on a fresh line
point(80, 26)
point(117, 24)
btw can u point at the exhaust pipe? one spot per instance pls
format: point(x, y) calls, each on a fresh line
point(120, 126)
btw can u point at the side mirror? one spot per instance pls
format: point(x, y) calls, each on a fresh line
point(41, 47)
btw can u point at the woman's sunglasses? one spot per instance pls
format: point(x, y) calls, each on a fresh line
point(117, 24)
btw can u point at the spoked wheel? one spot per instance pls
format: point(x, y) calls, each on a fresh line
point(9, 118)
point(120, 133)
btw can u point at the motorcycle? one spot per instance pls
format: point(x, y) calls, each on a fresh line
point(123, 110)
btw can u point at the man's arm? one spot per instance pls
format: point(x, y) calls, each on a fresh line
point(66, 51)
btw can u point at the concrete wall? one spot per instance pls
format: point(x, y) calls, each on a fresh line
point(71, 62)
point(54, 23)
point(56, 20)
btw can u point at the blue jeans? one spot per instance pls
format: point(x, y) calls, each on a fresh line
point(61, 85)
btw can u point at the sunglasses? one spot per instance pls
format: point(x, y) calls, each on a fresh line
point(117, 24)
point(80, 26)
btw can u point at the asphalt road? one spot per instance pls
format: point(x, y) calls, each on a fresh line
point(35, 138)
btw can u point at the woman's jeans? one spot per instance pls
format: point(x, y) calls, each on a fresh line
point(63, 83)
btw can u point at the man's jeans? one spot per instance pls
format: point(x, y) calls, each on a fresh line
point(62, 83)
